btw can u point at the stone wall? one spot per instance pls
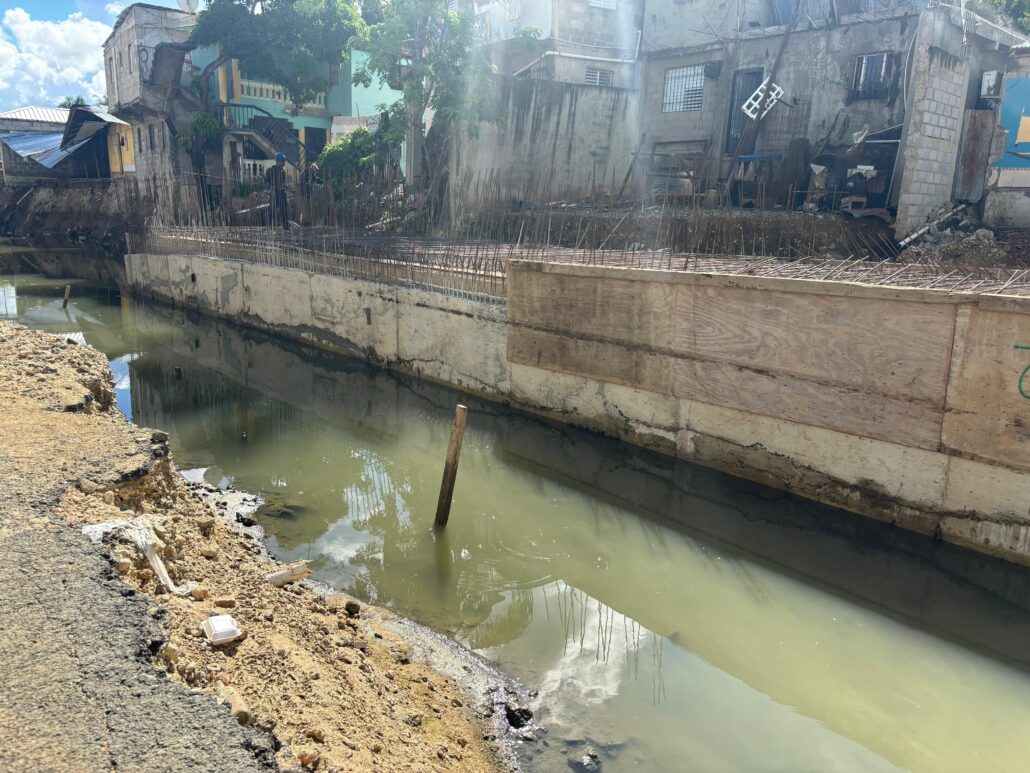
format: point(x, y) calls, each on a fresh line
point(904, 405)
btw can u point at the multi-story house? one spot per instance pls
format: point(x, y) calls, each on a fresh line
point(153, 73)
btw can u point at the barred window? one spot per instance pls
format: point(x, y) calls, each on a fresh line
point(597, 77)
point(684, 89)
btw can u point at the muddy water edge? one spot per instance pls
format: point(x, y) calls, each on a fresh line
point(666, 617)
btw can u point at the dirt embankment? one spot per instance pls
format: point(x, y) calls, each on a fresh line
point(330, 683)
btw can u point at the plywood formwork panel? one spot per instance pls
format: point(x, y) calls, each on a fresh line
point(886, 347)
point(614, 309)
point(988, 411)
point(863, 365)
point(911, 423)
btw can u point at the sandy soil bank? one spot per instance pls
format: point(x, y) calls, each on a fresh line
point(335, 684)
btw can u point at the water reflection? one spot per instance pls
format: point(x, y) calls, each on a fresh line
point(674, 618)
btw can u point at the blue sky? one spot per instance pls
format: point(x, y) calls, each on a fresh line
point(52, 48)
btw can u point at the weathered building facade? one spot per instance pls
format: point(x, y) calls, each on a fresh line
point(143, 60)
point(889, 90)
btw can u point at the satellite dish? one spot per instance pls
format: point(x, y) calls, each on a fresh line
point(189, 6)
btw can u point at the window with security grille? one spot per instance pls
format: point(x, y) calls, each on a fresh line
point(873, 77)
point(597, 77)
point(684, 89)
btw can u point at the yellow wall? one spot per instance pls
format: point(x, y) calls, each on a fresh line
point(236, 80)
point(223, 84)
point(123, 157)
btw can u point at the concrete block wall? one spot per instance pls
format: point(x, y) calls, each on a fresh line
point(900, 404)
point(940, 86)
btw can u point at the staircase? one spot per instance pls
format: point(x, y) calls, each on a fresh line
point(272, 134)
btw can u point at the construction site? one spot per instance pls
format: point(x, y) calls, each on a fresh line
point(720, 337)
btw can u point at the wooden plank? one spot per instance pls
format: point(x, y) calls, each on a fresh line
point(974, 154)
point(988, 411)
point(883, 347)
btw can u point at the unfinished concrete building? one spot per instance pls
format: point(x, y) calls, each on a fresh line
point(143, 60)
point(594, 42)
point(883, 106)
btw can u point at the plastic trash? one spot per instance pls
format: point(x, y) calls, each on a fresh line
point(221, 629)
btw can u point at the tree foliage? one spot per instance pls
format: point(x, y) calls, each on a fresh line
point(428, 51)
point(1015, 13)
point(78, 101)
point(293, 43)
point(349, 159)
point(203, 134)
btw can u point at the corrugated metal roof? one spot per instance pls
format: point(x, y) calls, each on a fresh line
point(42, 147)
point(107, 117)
point(46, 114)
point(52, 158)
point(28, 144)
point(85, 122)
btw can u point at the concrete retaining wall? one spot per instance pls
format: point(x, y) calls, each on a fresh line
point(909, 406)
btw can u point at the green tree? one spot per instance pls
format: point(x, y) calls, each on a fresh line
point(78, 101)
point(1013, 12)
point(293, 43)
point(360, 168)
point(203, 134)
point(428, 51)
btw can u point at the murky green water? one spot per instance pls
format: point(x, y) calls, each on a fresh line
point(673, 618)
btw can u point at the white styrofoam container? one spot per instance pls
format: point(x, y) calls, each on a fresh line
point(221, 629)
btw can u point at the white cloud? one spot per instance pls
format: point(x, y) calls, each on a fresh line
point(114, 8)
point(43, 61)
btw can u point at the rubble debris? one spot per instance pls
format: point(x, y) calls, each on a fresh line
point(294, 572)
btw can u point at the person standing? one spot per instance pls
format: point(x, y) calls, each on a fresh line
point(308, 190)
point(275, 181)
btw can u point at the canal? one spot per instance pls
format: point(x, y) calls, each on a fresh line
point(669, 617)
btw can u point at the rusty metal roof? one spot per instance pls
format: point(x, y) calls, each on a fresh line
point(44, 114)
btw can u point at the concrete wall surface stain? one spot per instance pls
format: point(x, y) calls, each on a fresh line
point(905, 405)
point(556, 139)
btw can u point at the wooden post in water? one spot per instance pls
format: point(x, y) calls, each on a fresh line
point(67, 292)
point(450, 468)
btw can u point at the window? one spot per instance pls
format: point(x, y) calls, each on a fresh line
point(130, 57)
point(139, 140)
point(153, 141)
point(684, 89)
point(597, 77)
point(872, 78)
point(611, 5)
